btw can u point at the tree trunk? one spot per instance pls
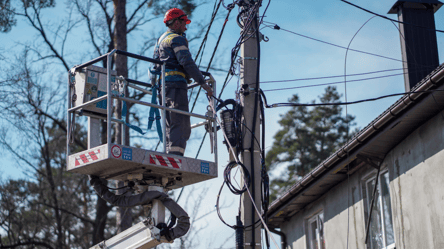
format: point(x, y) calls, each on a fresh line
point(124, 217)
point(102, 210)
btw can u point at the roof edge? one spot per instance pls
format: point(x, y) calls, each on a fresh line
point(435, 78)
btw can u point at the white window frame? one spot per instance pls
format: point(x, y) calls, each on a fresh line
point(370, 177)
point(315, 218)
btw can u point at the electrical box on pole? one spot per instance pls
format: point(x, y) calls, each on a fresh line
point(251, 115)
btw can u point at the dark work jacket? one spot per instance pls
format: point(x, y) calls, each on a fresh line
point(173, 48)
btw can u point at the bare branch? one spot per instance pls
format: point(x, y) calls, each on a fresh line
point(59, 123)
point(10, 149)
point(68, 30)
point(136, 10)
point(109, 20)
point(139, 22)
point(68, 212)
point(85, 14)
point(39, 27)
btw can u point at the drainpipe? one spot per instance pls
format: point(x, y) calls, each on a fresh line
point(283, 237)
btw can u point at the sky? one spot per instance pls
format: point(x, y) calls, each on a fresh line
point(285, 56)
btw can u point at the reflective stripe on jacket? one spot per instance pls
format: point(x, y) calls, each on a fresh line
point(173, 48)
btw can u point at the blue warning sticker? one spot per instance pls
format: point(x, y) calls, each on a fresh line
point(127, 154)
point(204, 168)
point(102, 104)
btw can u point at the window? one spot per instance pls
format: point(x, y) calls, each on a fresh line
point(381, 235)
point(316, 232)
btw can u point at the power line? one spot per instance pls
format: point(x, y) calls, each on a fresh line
point(215, 49)
point(332, 44)
point(348, 103)
point(204, 41)
point(393, 20)
point(332, 83)
point(334, 76)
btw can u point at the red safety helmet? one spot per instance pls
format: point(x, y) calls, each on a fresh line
point(176, 13)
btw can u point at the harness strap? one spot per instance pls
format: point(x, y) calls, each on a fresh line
point(155, 112)
point(172, 73)
point(169, 71)
point(124, 110)
point(134, 127)
point(156, 50)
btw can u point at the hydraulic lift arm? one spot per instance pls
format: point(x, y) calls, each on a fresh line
point(144, 234)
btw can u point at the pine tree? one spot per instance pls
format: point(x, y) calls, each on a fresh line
point(308, 136)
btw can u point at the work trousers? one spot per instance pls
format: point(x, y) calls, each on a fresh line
point(178, 126)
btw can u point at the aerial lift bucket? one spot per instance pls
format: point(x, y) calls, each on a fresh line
point(91, 93)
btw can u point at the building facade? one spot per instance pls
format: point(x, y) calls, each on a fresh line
point(385, 187)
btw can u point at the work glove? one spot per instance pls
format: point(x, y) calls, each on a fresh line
point(209, 90)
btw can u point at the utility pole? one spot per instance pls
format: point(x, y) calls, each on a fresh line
point(250, 103)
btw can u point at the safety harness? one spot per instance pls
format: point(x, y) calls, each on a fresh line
point(155, 74)
point(154, 112)
point(169, 72)
point(124, 107)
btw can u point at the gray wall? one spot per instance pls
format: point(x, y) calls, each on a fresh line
point(416, 172)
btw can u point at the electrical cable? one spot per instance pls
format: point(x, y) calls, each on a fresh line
point(352, 102)
point(228, 169)
point(332, 44)
point(215, 10)
point(331, 83)
point(334, 76)
point(226, 79)
point(204, 41)
point(253, 128)
point(265, 180)
point(265, 11)
point(213, 16)
point(348, 129)
point(214, 51)
point(387, 18)
point(265, 225)
point(249, 20)
point(227, 177)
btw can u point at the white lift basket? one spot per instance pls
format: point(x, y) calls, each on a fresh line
point(122, 162)
point(91, 93)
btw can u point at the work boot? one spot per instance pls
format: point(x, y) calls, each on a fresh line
point(175, 153)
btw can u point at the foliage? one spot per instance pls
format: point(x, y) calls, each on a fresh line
point(308, 136)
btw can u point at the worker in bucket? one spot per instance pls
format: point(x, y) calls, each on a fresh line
point(172, 47)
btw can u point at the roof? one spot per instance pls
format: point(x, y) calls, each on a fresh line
point(422, 3)
point(371, 143)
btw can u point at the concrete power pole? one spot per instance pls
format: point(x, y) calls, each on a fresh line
point(249, 73)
